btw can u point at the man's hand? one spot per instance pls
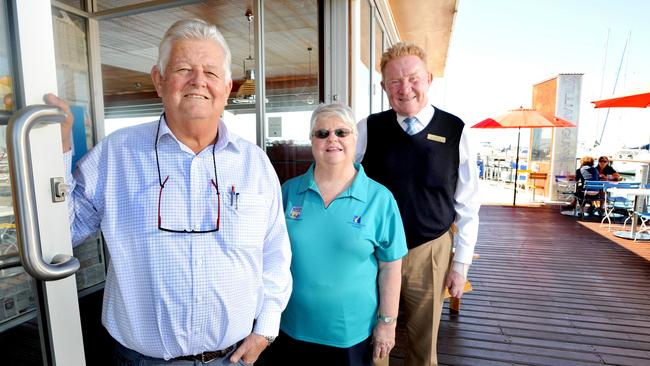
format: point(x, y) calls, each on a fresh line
point(66, 126)
point(250, 349)
point(383, 340)
point(455, 283)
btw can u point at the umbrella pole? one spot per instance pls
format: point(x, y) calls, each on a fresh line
point(514, 197)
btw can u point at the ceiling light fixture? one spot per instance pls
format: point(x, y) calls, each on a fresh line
point(310, 97)
point(246, 92)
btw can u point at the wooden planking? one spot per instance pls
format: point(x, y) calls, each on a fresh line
point(548, 290)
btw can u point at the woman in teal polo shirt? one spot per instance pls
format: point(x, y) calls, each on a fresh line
point(347, 241)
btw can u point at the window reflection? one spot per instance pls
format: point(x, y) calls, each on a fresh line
point(6, 80)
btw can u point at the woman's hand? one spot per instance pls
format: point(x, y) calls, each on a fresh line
point(383, 339)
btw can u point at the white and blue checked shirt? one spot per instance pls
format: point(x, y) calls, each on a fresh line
point(174, 294)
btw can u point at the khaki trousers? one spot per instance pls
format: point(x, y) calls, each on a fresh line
point(424, 271)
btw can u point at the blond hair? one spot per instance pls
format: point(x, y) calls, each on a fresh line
point(401, 49)
point(587, 160)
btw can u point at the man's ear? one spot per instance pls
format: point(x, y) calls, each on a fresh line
point(228, 89)
point(383, 86)
point(156, 77)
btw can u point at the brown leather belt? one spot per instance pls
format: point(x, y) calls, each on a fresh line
point(206, 357)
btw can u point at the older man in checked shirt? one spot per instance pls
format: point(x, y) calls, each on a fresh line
point(192, 217)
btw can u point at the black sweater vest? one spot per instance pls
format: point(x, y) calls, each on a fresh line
point(420, 170)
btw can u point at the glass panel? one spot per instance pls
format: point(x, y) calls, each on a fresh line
point(16, 295)
point(70, 49)
point(361, 77)
point(292, 82)
point(129, 48)
point(112, 4)
point(540, 144)
point(376, 71)
point(18, 336)
point(385, 105)
point(6, 81)
point(73, 3)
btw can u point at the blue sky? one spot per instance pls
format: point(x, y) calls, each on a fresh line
point(500, 48)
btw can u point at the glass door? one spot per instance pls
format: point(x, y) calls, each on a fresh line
point(39, 307)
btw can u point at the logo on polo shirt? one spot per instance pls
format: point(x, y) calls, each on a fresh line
point(356, 221)
point(295, 212)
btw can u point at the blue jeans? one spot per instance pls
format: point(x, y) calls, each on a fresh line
point(128, 357)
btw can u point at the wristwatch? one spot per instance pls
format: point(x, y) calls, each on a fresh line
point(269, 339)
point(386, 319)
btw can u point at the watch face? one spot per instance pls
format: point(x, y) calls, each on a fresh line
point(386, 319)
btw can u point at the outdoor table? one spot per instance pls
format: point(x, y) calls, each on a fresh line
point(636, 192)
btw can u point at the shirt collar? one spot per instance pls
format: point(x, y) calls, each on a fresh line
point(225, 140)
point(424, 115)
point(358, 189)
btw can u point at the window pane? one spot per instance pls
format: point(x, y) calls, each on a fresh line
point(292, 82)
point(6, 79)
point(376, 72)
point(362, 86)
point(73, 3)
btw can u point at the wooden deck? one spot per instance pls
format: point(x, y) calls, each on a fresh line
point(548, 290)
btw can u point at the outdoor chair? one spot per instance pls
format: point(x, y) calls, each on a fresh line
point(644, 221)
point(589, 195)
point(621, 205)
point(536, 181)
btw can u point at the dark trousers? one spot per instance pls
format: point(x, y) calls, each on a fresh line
point(289, 351)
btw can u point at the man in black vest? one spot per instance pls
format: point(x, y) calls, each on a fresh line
point(423, 156)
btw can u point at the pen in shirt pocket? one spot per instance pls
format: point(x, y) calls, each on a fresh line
point(232, 193)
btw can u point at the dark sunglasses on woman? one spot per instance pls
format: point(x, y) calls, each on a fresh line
point(339, 132)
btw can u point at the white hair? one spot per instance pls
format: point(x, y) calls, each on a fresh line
point(192, 29)
point(337, 110)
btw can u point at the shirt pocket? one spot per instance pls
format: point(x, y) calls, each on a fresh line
point(245, 219)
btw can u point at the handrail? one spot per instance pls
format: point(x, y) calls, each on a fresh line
point(20, 168)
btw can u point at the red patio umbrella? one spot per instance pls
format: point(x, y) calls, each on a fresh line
point(636, 100)
point(523, 118)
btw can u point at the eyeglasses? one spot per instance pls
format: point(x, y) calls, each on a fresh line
point(603, 161)
point(214, 182)
point(339, 132)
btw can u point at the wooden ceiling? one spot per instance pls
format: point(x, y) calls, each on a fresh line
point(129, 44)
point(433, 34)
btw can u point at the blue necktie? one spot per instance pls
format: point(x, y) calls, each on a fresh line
point(410, 125)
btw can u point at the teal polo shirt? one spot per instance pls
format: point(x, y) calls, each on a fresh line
point(335, 253)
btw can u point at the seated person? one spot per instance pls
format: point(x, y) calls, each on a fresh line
point(605, 171)
point(585, 172)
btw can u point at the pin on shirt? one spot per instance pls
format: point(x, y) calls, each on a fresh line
point(295, 212)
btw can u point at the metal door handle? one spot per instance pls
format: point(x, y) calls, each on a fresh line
point(20, 168)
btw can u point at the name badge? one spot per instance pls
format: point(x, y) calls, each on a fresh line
point(437, 138)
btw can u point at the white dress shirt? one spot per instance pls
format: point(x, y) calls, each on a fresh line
point(466, 201)
point(174, 294)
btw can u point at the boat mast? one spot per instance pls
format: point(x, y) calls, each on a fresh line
point(620, 64)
